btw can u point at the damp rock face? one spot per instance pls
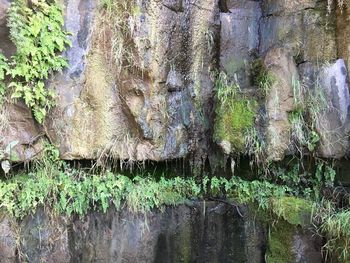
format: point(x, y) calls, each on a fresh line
point(17, 125)
point(333, 124)
point(343, 30)
point(198, 232)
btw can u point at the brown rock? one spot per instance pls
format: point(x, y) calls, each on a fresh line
point(279, 101)
point(343, 32)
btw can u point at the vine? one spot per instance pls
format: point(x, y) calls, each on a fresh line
point(38, 36)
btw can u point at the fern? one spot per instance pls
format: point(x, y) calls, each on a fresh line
point(38, 36)
point(3, 72)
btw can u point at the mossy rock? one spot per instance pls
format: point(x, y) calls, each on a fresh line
point(233, 119)
point(280, 243)
point(296, 211)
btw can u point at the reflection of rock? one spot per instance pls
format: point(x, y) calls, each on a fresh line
point(279, 101)
point(334, 122)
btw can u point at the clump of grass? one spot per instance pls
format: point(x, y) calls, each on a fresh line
point(255, 146)
point(261, 77)
point(116, 25)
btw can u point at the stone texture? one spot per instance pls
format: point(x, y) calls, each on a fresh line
point(6, 47)
point(156, 113)
point(305, 29)
point(17, 125)
point(44, 238)
point(343, 32)
point(306, 247)
point(277, 7)
point(7, 240)
point(279, 102)
point(197, 232)
point(239, 40)
point(334, 122)
point(293, 244)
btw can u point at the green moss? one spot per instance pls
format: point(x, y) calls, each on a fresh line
point(280, 243)
point(233, 119)
point(296, 211)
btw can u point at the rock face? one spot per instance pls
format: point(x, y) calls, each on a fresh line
point(157, 101)
point(199, 232)
point(17, 126)
point(333, 124)
point(239, 39)
point(343, 31)
point(158, 110)
point(280, 101)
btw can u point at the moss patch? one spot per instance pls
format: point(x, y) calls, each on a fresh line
point(295, 211)
point(280, 243)
point(233, 118)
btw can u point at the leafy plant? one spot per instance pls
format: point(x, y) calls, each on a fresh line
point(38, 35)
point(4, 68)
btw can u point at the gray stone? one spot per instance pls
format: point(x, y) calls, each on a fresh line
point(239, 39)
point(44, 238)
point(306, 247)
point(6, 46)
point(8, 239)
point(308, 34)
point(196, 232)
point(333, 122)
point(278, 7)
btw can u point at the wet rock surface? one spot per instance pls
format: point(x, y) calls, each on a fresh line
point(334, 125)
point(197, 232)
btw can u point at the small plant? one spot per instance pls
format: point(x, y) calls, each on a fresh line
point(255, 145)
point(4, 69)
point(225, 90)
point(261, 77)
